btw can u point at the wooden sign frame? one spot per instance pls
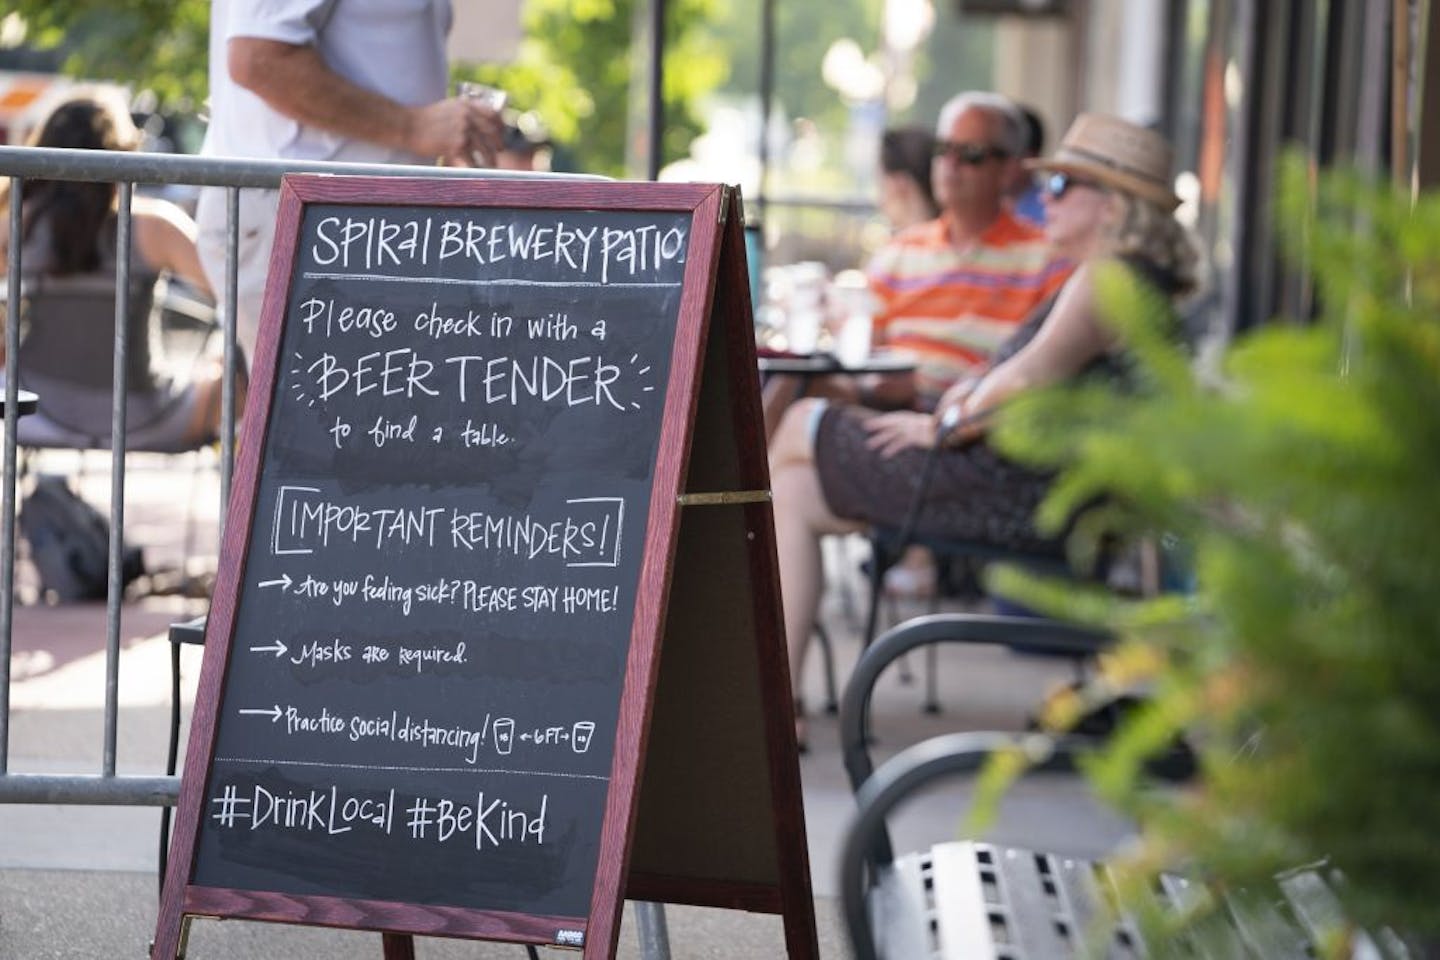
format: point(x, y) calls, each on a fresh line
point(704, 804)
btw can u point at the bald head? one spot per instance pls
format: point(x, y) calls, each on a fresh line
point(1009, 121)
point(980, 137)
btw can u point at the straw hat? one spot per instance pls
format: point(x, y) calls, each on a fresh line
point(1116, 153)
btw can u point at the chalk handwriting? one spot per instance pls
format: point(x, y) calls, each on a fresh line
point(588, 534)
point(314, 811)
point(492, 821)
point(598, 254)
point(462, 740)
point(321, 317)
point(462, 593)
point(316, 651)
point(419, 657)
point(484, 435)
point(403, 374)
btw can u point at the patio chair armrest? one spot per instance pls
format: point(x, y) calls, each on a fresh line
point(1049, 636)
point(951, 755)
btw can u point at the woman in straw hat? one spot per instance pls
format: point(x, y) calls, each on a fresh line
point(68, 253)
point(839, 469)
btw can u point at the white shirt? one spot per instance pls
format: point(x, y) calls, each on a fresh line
point(392, 47)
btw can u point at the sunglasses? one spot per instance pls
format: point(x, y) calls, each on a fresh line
point(970, 154)
point(1057, 184)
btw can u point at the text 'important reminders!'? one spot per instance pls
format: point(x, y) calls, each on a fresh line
point(430, 635)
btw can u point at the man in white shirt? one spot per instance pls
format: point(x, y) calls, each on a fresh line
point(353, 80)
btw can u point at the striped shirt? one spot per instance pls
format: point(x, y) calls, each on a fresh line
point(952, 307)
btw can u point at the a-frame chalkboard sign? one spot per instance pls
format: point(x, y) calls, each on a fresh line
point(496, 638)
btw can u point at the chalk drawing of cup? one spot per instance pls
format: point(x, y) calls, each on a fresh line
point(504, 735)
point(580, 737)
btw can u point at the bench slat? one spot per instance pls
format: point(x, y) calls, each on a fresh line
point(1319, 911)
point(968, 901)
point(900, 911)
point(961, 904)
point(1213, 937)
point(1088, 907)
point(1266, 933)
point(1032, 911)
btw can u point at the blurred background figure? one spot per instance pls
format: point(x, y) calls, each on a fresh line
point(953, 288)
point(301, 80)
point(524, 144)
point(1027, 202)
point(68, 259)
point(839, 469)
point(906, 196)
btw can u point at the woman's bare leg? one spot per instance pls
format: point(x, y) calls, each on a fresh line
point(801, 519)
point(779, 392)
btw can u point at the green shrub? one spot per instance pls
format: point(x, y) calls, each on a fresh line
point(1301, 477)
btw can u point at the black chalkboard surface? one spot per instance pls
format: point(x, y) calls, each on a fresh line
point(428, 674)
point(452, 510)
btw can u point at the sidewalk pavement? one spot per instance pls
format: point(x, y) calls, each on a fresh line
point(79, 882)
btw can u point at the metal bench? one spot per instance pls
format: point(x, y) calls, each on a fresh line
point(975, 901)
point(962, 899)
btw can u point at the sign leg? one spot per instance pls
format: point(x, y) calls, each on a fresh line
point(399, 946)
point(654, 933)
point(171, 937)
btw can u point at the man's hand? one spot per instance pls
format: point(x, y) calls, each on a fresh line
point(295, 81)
point(460, 131)
point(891, 433)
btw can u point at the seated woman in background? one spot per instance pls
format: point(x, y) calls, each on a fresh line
point(837, 469)
point(68, 258)
point(906, 195)
point(905, 198)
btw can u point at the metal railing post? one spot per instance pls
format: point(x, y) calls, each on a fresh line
point(12, 414)
point(119, 397)
point(230, 320)
point(129, 170)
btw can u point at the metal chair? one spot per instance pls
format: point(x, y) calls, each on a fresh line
point(1047, 636)
point(961, 899)
point(964, 899)
point(66, 323)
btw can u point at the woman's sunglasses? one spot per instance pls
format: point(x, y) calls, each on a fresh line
point(1057, 184)
point(970, 154)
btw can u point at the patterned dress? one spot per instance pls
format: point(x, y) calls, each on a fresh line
point(974, 493)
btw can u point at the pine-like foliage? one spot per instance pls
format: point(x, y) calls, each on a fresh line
point(1301, 480)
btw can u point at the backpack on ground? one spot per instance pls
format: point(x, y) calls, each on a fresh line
point(70, 543)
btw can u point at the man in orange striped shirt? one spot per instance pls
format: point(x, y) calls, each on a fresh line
point(954, 288)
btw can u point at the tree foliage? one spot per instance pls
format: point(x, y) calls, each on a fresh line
point(803, 32)
point(574, 66)
point(1300, 477)
point(158, 45)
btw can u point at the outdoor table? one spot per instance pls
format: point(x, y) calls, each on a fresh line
point(819, 364)
point(809, 366)
point(28, 403)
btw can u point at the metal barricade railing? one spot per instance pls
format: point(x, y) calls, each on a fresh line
point(127, 170)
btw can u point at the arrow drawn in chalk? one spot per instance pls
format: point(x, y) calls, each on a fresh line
point(274, 713)
point(283, 583)
point(278, 648)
